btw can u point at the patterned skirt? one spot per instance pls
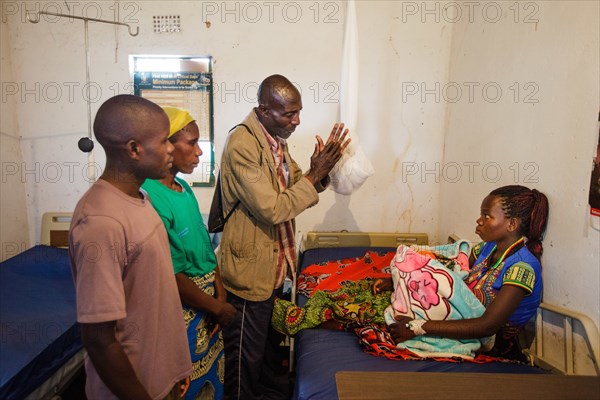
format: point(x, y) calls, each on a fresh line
point(207, 353)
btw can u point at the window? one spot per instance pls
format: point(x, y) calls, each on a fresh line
point(183, 82)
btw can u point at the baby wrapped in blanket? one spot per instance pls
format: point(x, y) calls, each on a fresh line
point(427, 289)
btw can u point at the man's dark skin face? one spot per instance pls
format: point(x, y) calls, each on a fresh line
point(281, 113)
point(279, 106)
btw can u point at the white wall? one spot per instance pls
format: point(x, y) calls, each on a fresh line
point(291, 38)
point(393, 133)
point(545, 141)
point(14, 236)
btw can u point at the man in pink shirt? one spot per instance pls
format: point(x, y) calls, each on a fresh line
point(127, 300)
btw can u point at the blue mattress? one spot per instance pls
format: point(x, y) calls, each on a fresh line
point(38, 319)
point(321, 353)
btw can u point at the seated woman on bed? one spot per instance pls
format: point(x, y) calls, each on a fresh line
point(441, 303)
point(505, 274)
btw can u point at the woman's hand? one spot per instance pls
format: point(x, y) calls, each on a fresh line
point(225, 314)
point(184, 385)
point(221, 318)
point(400, 331)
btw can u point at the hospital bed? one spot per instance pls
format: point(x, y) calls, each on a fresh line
point(41, 349)
point(330, 364)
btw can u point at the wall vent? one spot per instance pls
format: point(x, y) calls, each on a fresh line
point(166, 23)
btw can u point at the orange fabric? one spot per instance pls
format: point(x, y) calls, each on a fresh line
point(330, 276)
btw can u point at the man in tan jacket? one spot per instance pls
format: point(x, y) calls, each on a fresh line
point(266, 189)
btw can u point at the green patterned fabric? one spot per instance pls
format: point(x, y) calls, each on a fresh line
point(354, 304)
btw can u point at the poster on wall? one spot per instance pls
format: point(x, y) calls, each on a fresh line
point(191, 91)
point(595, 181)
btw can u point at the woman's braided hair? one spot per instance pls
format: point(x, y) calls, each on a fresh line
point(531, 207)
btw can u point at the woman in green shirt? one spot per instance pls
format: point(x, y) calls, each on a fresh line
point(205, 309)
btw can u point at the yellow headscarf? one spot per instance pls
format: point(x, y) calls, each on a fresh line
point(178, 119)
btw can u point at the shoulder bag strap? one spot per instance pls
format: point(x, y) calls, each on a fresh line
point(218, 187)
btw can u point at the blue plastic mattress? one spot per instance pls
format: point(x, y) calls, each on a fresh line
point(38, 328)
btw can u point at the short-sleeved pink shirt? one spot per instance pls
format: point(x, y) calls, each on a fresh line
point(122, 269)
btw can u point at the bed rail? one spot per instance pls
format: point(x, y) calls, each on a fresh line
point(55, 229)
point(591, 337)
point(316, 240)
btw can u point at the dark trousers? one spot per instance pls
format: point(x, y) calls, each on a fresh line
point(253, 369)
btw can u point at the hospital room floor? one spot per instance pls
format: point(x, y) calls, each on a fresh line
point(76, 389)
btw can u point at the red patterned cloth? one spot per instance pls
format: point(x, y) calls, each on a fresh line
point(378, 342)
point(331, 275)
